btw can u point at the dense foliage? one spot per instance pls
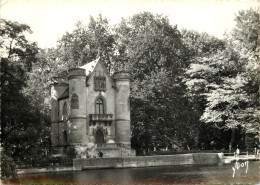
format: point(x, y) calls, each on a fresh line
point(24, 130)
point(189, 90)
point(226, 80)
point(8, 166)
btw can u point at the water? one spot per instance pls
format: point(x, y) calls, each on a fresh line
point(186, 174)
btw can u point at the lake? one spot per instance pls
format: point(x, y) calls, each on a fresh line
point(185, 174)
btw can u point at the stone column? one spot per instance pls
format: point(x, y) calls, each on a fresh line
point(77, 101)
point(122, 107)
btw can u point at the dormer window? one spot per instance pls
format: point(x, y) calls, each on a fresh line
point(99, 83)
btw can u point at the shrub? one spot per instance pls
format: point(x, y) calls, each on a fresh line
point(8, 166)
point(70, 155)
point(64, 160)
point(71, 152)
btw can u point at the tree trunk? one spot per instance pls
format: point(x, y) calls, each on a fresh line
point(244, 138)
point(233, 134)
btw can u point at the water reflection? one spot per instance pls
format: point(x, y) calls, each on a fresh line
point(186, 174)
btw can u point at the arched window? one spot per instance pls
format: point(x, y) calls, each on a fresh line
point(65, 111)
point(99, 106)
point(74, 101)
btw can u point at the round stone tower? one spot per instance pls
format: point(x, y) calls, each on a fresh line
point(76, 127)
point(122, 106)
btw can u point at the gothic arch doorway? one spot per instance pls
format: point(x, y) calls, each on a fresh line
point(99, 137)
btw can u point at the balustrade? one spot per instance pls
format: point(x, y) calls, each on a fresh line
point(101, 117)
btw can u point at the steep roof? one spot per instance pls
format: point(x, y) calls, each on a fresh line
point(89, 67)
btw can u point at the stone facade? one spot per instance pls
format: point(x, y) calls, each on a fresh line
point(91, 111)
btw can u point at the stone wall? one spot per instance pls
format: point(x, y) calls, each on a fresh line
point(206, 158)
point(145, 161)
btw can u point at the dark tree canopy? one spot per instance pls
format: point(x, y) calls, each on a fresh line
point(21, 121)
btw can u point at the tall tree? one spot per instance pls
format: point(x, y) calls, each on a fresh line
point(20, 120)
point(86, 44)
point(46, 66)
point(224, 78)
point(244, 39)
point(17, 57)
point(198, 75)
point(153, 51)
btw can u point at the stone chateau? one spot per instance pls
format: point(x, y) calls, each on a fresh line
point(91, 111)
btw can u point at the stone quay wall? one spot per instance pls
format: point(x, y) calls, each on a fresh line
point(146, 161)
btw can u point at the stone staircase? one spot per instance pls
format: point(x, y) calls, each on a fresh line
point(115, 150)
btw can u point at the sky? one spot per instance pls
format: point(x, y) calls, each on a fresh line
point(50, 19)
